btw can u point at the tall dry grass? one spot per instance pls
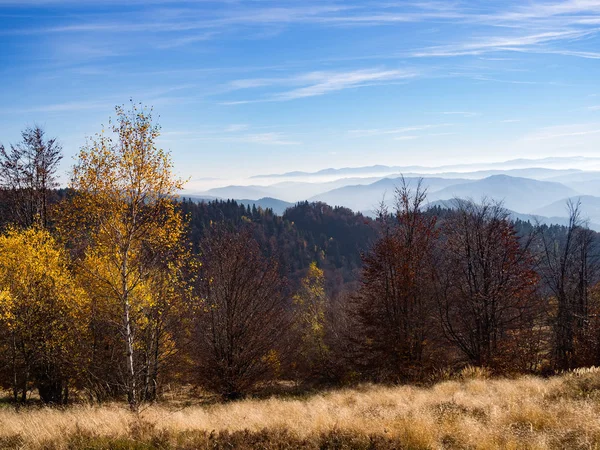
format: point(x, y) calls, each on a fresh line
point(473, 412)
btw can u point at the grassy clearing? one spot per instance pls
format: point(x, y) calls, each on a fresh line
point(523, 413)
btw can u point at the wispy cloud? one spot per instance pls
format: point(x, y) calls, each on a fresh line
point(60, 107)
point(155, 96)
point(372, 13)
point(394, 131)
point(320, 83)
point(317, 83)
point(564, 131)
point(578, 54)
point(240, 102)
point(498, 80)
point(234, 133)
point(459, 113)
point(537, 26)
point(520, 42)
point(408, 137)
point(186, 40)
point(226, 15)
point(236, 127)
point(569, 10)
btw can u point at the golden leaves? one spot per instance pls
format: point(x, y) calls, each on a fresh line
point(40, 295)
point(128, 230)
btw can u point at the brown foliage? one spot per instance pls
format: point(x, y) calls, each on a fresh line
point(488, 298)
point(395, 305)
point(242, 319)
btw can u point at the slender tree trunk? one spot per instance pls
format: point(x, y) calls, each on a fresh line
point(14, 368)
point(44, 218)
point(154, 375)
point(131, 384)
point(132, 395)
point(24, 387)
point(145, 389)
point(26, 371)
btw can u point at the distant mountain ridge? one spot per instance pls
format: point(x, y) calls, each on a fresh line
point(526, 187)
point(589, 204)
point(551, 162)
point(519, 194)
point(300, 190)
point(368, 197)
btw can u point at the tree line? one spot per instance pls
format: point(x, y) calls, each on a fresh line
point(115, 289)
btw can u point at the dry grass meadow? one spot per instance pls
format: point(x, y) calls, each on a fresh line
point(470, 412)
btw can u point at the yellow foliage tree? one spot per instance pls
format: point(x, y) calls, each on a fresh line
point(311, 303)
point(124, 211)
point(43, 314)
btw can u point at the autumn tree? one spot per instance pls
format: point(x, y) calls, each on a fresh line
point(28, 175)
point(310, 303)
point(395, 308)
point(43, 314)
point(124, 226)
point(242, 321)
point(569, 267)
point(488, 299)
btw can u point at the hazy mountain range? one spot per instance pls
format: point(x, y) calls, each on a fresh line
point(541, 189)
point(577, 162)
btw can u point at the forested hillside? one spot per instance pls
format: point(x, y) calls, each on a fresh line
point(306, 232)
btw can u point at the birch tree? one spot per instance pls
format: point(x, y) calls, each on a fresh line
point(124, 212)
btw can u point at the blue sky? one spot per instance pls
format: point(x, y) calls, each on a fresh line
point(247, 87)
